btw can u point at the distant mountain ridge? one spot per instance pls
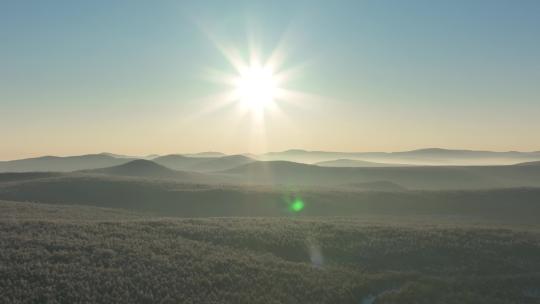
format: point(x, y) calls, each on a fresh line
point(216, 161)
point(206, 154)
point(429, 156)
point(353, 163)
point(62, 164)
point(205, 163)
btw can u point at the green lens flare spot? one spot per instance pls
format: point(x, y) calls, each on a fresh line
point(297, 205)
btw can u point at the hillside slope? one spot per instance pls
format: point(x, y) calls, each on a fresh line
point(62, 164)
point(149, 169)
point(534, 163)
point(352, 163)
point(416, 177)
point(202, 164)
point(173, 198)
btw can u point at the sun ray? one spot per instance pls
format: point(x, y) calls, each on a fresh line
point(255, 90)
point(218, 77)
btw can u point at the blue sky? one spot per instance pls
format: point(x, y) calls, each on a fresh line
point(91, 76)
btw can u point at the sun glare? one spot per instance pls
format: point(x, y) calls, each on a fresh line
point(256, 87)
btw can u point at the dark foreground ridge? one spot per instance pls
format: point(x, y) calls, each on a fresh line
point(174, 198)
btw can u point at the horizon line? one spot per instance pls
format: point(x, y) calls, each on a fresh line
point(112, 154)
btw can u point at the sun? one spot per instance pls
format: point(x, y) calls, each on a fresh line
point(256, 87)
point(257, 83)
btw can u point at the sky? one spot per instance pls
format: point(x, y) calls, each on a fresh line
point(139, 77)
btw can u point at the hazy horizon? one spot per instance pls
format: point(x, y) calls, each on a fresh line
point(138, 78)
point(33, 155)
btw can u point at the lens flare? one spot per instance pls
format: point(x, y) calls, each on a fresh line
point(297, 205)
point(315, 254)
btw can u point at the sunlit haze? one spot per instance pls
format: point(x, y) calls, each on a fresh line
point(141, 78)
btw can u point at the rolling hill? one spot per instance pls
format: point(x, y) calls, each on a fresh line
point(206, 154)
point(238, 169)
point(215, 161)
point(415, 177)
point(178, 162)
point(149, 169)
point(353, 163)
point(534, 163)
point(176, 198)
point(373, 186)
point(62, 164)
point(21, 176)
point(202, 164)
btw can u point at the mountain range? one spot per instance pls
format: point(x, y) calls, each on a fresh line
point(96, 161)
point(238, 185)
point(291, 174)
point(216, 161)
point(430, 156)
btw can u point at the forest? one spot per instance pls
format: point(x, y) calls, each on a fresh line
point(76, 254)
